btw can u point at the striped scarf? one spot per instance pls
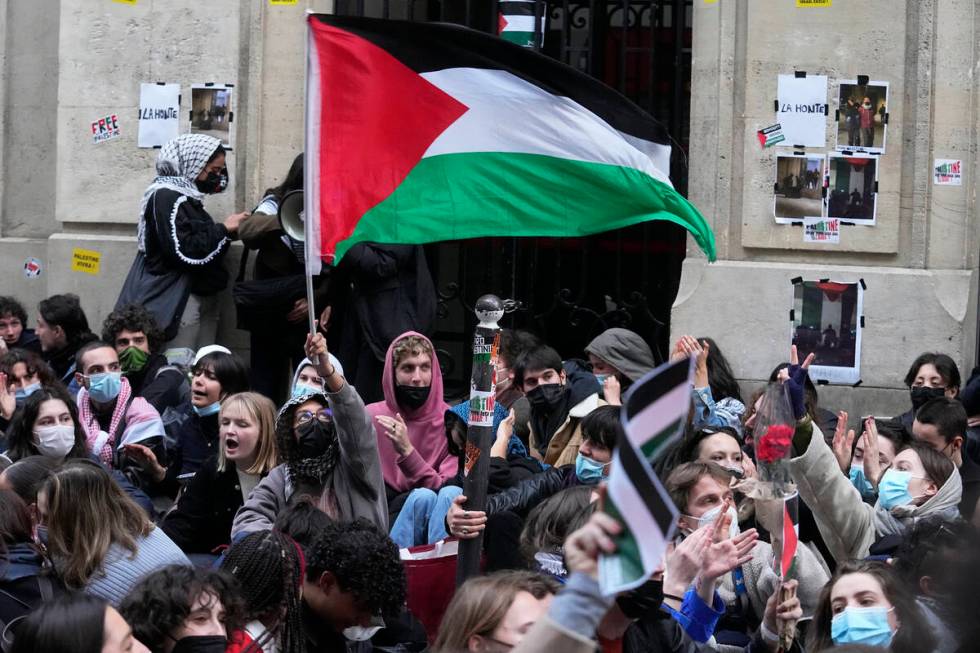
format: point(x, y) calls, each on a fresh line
point(91, 424)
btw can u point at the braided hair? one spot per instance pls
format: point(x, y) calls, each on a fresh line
point(270, 567)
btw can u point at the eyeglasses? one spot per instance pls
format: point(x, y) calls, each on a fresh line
point(324, 415)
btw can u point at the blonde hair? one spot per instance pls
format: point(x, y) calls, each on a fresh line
point(410, 346)
point(262, 412)
point(481, 604)
point(87, 513)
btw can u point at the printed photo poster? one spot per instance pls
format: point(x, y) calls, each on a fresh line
point(212, 111)
point(862, 116)
point(852, 192)
point(798, 191)
point(159, 117)
point(826, 320)
point(801, 109)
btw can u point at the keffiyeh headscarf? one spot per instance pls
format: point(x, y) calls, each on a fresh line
point(309, 471)
point(179, 163)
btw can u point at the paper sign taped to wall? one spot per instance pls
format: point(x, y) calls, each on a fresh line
point(159, 114)
point(947, 172)
point(821, 230)
point(125, 2)
point(105, 129)
point(282, 2)
point(813, 3)
point(85, 260)
point(802, 109)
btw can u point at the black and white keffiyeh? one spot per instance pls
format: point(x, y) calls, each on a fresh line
point(179, 163)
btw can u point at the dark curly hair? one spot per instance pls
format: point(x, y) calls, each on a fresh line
point(160, 603)
point(35, 366)
point(365, 562)
point(66, 311)
point(9, 306)
point(132, 317)
point(269, 567)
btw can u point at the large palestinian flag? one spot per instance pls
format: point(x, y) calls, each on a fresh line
point(421, 132)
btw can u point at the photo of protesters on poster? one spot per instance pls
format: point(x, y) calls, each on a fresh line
point(826, 321)
point(211, 111)
point(852, 192)
point(799, 187)
point(861, 115)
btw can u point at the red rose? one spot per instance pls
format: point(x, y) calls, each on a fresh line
point(774, 443)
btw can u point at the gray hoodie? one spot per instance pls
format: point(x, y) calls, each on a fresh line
point(624, 350)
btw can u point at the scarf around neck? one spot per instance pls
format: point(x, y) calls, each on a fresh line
point(945, 503)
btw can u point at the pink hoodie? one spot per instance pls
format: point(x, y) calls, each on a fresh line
point(430, 465)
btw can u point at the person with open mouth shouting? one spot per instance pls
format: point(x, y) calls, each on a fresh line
point(201, 521)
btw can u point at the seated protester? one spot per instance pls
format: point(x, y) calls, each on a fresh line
point(306, 379)
point(409, 422)
point(941, 424)
point(513, 344)
point(921, 482)
point(192, 431)
point(61, 329)
point(550, 523)
point(111, 414)
point(48, 425)
point(327, 443)
point(700, 491)
point(177, 608)
point(619, 358)
point(100, 540)
point(884, 437)
point(76, 624)
point(201, 521)
point(25, 479)
point(422, 518)
point(506, 510)
point(866, 603)
point(26, 580)
point(932, 375)
point(717, 396)
point(720, 445)
point(14, 333)
point(354, 582)
point(134, 333)
point(491, 613)
point(269, 567)
point(21, 373)
point(825, 419)
point(560, 397)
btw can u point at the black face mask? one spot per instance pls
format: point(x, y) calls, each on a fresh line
point(410, 396)
point(202, 644)
point(313, 438)
point(642, 601)
point(214, 183)
point(920, 395)
point(546, 396)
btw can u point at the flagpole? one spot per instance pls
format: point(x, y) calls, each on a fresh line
point(308, 197)
point(479, 433)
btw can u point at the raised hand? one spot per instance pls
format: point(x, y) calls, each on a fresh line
point(612, 391)
point(582, 548)
point(872, 463)
point(397, 432)
point(8, 402)
point(843, 442)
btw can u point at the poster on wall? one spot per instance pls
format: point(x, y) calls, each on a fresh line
point(801, 109)
point(947, 172)
point(798, 191)
point(862, 116)
point(852, 192)
point(826, 320)
point(159, 118)
point(212, 112)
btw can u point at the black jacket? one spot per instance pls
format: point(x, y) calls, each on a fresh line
point(190, 441)
point(24, 583)
point(28, 340)
point(181, 236)
point(530, 492)
point(201, 520)
point(161, 384)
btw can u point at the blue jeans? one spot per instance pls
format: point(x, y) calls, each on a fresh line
point(422, 519)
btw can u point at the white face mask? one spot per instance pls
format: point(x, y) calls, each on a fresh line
point(55, 441)
point(360, 633)
point(712, 514)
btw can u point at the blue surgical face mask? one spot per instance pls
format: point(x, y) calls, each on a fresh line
point(300, 390)
point(21, 394)
point(859, 481)
point(601, 378)
point(210, 409)
point(104, 387)
point(868, 626)
point(589, 471)
point(893, 489)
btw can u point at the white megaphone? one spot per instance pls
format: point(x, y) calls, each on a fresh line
point(291, 215)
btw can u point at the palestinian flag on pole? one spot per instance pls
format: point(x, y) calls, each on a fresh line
point(791, 536)
point(517, 21)
point(654, 415)
point(422, 132)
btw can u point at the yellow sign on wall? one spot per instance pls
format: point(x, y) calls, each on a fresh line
point(283, 2)
point(813, 3)
point(85, 260)
point(125, 2)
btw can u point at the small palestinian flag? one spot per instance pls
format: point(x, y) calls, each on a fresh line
point(422, 132)
point(791, 535)
point(654, 415)
point(517, 21)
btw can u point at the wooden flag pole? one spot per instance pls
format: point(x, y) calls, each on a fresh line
point(479, 432)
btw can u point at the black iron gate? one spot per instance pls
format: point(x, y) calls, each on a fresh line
point(571, 289)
